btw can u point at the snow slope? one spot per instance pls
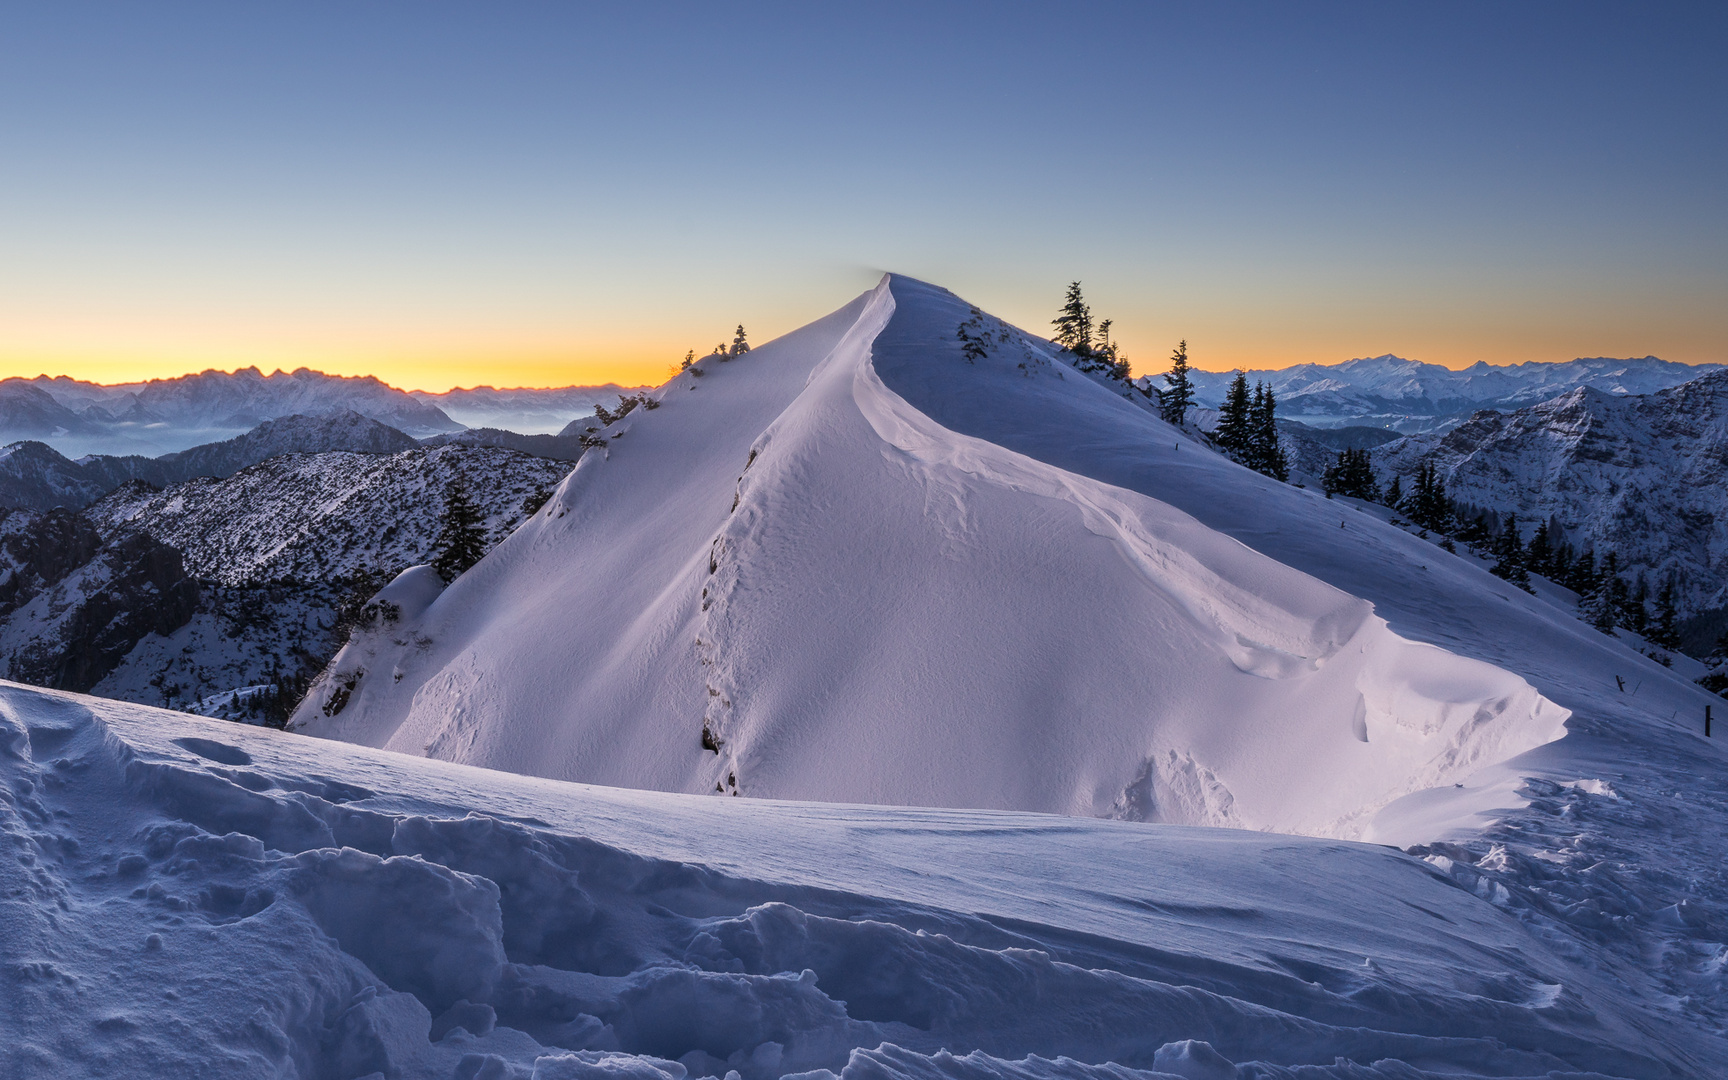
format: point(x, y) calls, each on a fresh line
point(801, 577)
point(183, 897)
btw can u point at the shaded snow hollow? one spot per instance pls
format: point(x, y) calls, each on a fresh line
point(850, 601)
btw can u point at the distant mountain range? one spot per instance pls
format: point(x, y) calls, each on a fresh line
point(526, 412)
point(167, 415)
point(34, 476)
point(1410, 396)
point(150, 419)
point(1644, 475)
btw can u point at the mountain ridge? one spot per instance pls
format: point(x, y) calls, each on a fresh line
point(1642, 475)
point(33, 475)
point(1414, 396)
point(160, 416)
point(814, 479)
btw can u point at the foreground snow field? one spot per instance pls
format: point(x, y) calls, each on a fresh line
point(190, 898)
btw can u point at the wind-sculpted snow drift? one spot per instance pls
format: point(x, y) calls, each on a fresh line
point(789, 582)
point(182, 897)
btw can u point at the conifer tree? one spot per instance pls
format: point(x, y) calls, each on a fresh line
point(1074, 323)
point(1107, 357)
point(1662, 632)
point(1362, 477)
point(1233, 432)
point(1395, 492)
point(1560, 563)
point(1255, 455)
point(1605, 598)
point(1475, 532)
point(1596, 607)
point(1582, 579)
point(1264, 451)
point(1509, 556)
point(1618, 595)
point(740, 345)
point(1539, 555)
point(1635, 615)
point(1428, 505)
point(1352, 474)
point(1178, 394)
point(461, 539)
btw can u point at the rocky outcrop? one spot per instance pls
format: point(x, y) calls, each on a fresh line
point(73, 605)
point(1646, 476)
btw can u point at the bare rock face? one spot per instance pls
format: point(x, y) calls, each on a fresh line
point(73, 605)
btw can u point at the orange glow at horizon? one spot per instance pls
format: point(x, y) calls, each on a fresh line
point(432, 374)
point(485, 356)
point(643, 366)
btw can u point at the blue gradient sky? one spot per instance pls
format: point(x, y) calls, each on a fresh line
point(552, 193)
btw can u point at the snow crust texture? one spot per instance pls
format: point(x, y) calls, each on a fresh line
point(789, 582)
point(182, 897)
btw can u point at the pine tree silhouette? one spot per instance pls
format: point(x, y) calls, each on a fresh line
point(1266, 453)
point(1662, 632)
point(1074, 323)
point(1177, 396)
point(1539, 556)
point(1509, 556)
point(1352, 474)
point(1603, 603)
point(1232, 432)
point(461, 539)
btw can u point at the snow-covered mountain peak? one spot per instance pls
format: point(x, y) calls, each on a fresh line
point(816, 571)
